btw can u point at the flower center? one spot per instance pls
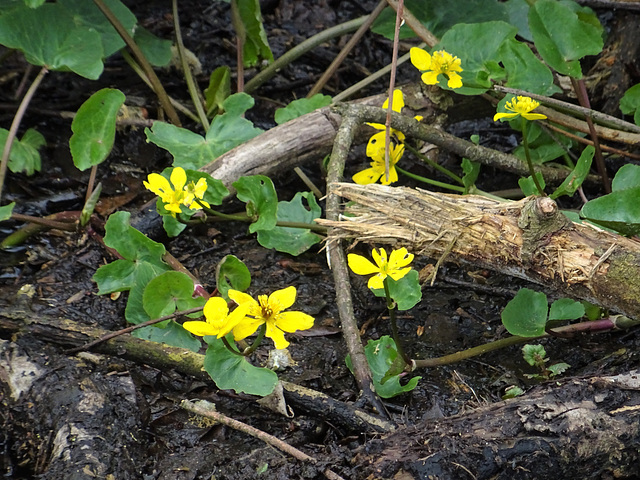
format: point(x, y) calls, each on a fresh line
point(267, 309)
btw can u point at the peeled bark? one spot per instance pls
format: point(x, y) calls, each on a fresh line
point(530, 239)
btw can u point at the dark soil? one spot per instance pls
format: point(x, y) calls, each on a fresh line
point(156, 439)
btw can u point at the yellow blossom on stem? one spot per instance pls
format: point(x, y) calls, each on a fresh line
point(218, 320)
point(395, 267)
point(174, 192)
point(375, 150)
point(520, 106)
point(441, 62)
point(269, 310)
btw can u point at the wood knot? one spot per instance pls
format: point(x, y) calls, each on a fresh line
point(546, 207)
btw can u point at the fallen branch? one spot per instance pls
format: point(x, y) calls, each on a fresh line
point(528, 239)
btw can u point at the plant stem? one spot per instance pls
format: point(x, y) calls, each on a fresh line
point(433, 164)
point(436, 183)
point(186, 69)
point(256, 343)
point(17, 119)
point(299, 50)
point(391, 305)
point(142, 60)
point(532, 172)
point(230, 348)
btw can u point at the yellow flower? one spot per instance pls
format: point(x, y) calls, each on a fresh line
point(269, 310)
point(441, 62)
point(174, 194)
point(521, 106)
point(375, 150)
point(218, 321)
point(396, 267)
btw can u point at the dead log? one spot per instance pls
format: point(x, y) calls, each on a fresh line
point(573, 428)
point(529, 239)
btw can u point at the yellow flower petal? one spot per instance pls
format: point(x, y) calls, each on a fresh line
point(430, 78)
point(241, 297)
point(366, 177)
point(455, 80)
point(398, 101)
point(282, 299)
point(215, 308)
point(380, 257)
point(501, 115)
point(292, 321)
point(398, 274)
point(393, 176)
point(361, 265)
point(376, 282)
point(534, 116)
point(277, 336)
point(178, 178)
point(400, 258)
point(420, 58)
point(157, 184)
point(200, 328)
point(246, 327)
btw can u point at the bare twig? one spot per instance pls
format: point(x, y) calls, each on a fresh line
point(207, 409)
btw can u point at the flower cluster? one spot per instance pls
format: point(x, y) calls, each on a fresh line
point(176, 193)
point(251, 314)
point(396, 266)
point(376, 148)
point(440, 63)
point(520, 106)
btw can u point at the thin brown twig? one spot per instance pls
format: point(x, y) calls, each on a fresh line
point(130, 329)
point(353, 41)
point(416, 25)
point(207, 409)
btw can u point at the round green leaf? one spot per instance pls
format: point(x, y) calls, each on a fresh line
point(94, 128)
point(169, 292)
point(293, 240)
point(619, 211)
point(566, 309)
point(627, 177)
point(526, 314)
point(259, 194)
point(232, 273)
point(231, 371)
point(300, 107)
point(406, 292)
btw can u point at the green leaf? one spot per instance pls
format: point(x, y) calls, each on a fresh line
point(231, 371)
point(563, 33)
point(256, 45)
point(172, 334)
point(528, 186)
point(86, 15)
point(566, 309)
point(171, 225)
point(6, 210)
point(192, 151)
point(232, 273)
point(94, 128)
point(218, 90)
point(56, 43)
point(300, 107)
point(524, 70)
point(619, 211)
point(526, 314)
point(518, 11)
point(406, 292)
point(169, 292)
point(627, 177)
point(471, 171)
point(259, 194)
point(478, 46)
point(577, 176)
point(381, 355)
point(141, 262)
point(558, 368)
point(156, 50)
point(24, 156)
point(293, 240)
point(440, 15)
point(534, 355)
point(630, 103)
